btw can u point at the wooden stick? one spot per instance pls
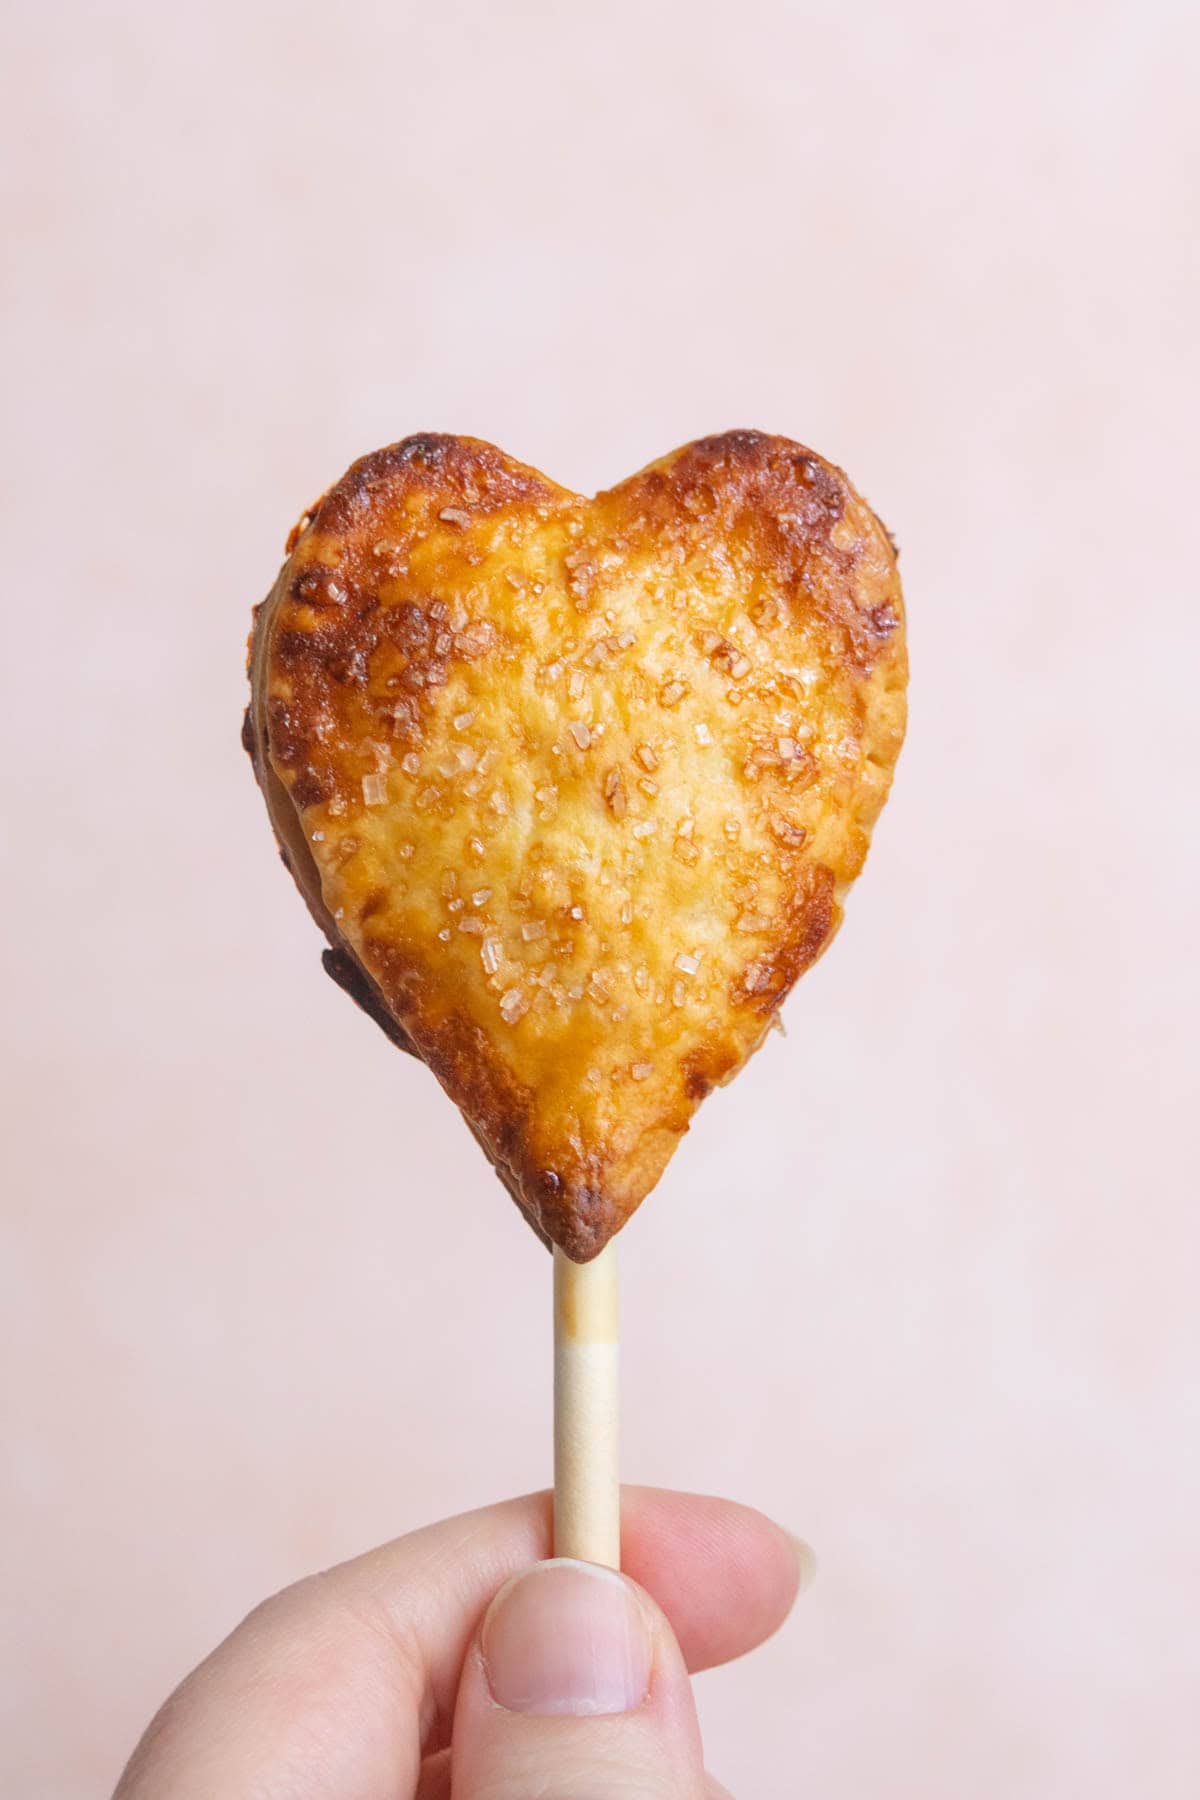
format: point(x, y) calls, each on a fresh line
point(587, 1493)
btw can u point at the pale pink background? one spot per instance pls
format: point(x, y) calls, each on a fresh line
point(922, 1283)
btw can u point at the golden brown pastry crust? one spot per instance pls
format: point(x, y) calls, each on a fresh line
point(576, 787)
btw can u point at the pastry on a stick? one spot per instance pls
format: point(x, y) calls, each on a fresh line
point(575, 788)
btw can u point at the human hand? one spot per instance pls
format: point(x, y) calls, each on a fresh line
point(556, 1679)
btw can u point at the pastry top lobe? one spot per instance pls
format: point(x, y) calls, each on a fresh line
point(576, 787)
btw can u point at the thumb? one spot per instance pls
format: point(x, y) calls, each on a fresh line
point(575, 1685)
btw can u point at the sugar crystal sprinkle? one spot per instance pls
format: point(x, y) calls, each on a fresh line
point(374, 790)
point(614, 793)
point(640, 1070)
point(580, 732)
point(454, 515)
point(687, 965)
point(489, 954)
point(785, 831)
point(475, 639)
point(514, 1004)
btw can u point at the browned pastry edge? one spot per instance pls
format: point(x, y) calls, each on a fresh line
point(337, 960)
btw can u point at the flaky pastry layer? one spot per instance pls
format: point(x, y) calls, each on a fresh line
point(576, 787)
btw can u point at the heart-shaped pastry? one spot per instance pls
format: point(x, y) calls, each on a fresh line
point(576, 787)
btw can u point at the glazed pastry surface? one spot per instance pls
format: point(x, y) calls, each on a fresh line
point(576, 787)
